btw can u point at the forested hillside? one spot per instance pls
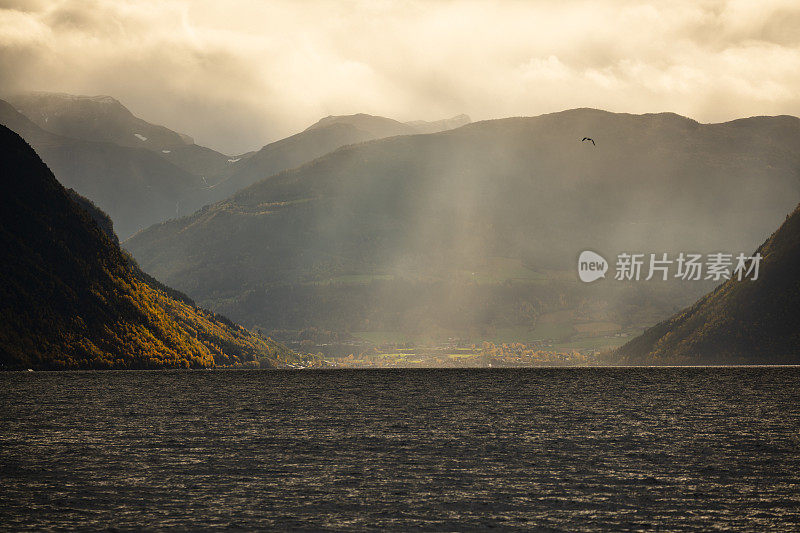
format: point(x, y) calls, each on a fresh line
point(70, 298)
point(742, 321)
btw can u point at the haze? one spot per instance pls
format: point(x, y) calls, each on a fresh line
point(238, 74)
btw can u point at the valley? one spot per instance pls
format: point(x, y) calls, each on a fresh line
point(426, 234)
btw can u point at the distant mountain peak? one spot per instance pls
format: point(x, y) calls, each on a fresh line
point(136, 186)
point(386, 127)
point(51, 99)
point(423, 126)
point(94, 118)
point(375, 125)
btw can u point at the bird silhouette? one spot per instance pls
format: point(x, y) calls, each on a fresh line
point(589, 139)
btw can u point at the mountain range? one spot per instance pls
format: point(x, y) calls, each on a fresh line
point(481, 225)
point(142, 173)
point(71, 298)
point(135, 186)
point(94, 118)
point(320, 138)
point(362, 222)
point(105, 119)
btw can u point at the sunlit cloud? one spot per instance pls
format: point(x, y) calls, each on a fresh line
point(238, 74)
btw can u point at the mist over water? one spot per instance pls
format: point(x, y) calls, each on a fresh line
point(577, 450)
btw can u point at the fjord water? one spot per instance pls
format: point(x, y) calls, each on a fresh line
point(550, 449)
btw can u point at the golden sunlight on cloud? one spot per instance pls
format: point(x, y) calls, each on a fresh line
point(238, 74)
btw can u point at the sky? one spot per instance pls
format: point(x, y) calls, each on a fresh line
point(238, 74)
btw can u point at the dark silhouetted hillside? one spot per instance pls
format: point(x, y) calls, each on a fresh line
point(747, 321)
point(70, 298)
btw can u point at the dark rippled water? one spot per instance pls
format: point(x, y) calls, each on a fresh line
point(550, 449)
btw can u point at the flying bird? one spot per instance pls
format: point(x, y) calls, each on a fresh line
point(589, 139)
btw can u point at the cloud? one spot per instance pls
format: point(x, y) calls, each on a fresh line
point(238, 74)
